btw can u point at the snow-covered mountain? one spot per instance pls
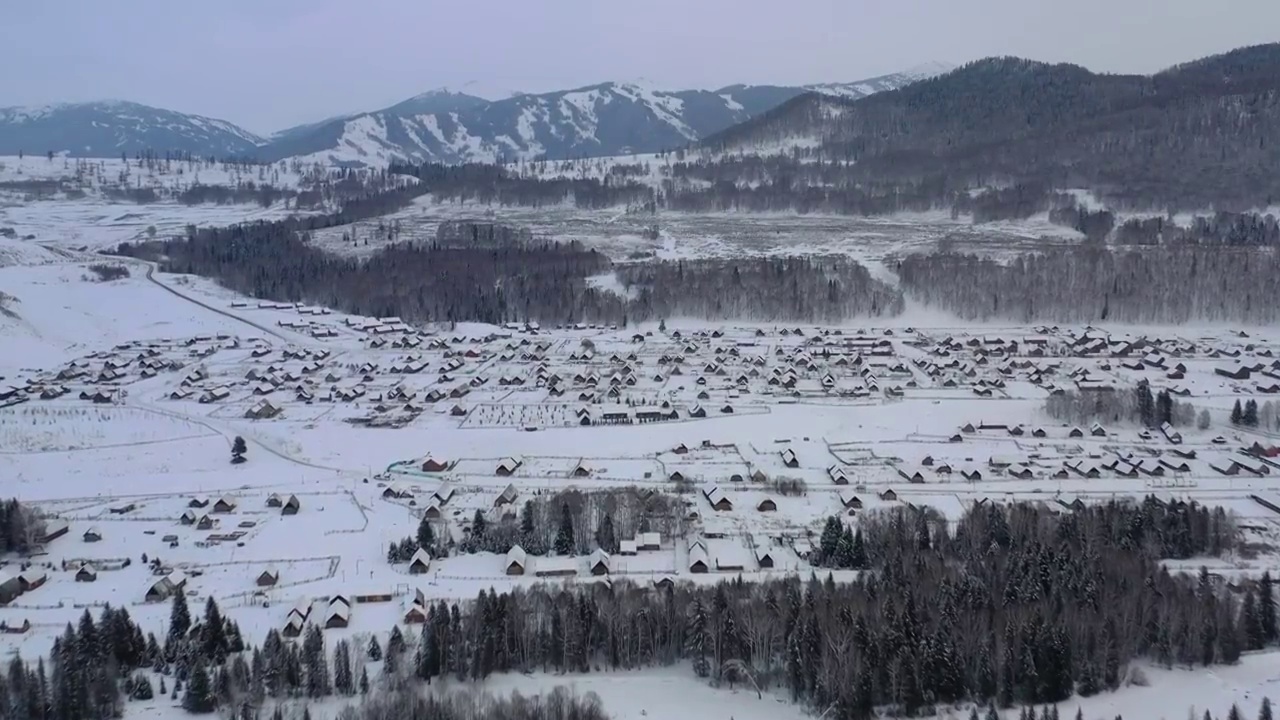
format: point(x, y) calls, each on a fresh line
point(109, 128)
point(613, 118)
point(606, 119)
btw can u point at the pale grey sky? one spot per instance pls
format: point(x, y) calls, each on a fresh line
point(268, 64)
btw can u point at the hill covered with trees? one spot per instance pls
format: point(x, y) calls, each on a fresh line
point(1198, 135)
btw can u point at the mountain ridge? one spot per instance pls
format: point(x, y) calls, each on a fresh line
point(442, 125)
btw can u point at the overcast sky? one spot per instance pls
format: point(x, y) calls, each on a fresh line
point(268, 64)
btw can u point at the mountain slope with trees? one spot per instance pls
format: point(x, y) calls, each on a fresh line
point(1202, 134)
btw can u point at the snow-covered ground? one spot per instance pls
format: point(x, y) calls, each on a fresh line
point(624, 235)
point(104, 426)
point(68, 203)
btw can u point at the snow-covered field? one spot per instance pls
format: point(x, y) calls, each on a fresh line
point(624, 235)
point(122, 399)
point(36, 206)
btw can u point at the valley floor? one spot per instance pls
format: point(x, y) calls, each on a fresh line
point(150, 377)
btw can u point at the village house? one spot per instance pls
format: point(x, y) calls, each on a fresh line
point(599, 563)
point(507, 496)
point(268, 577)
point(291, 506)
point(87, 573)
point(420, 563)
point(517, 561)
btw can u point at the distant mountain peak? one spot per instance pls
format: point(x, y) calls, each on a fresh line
point(617, 117)
point(109, 128)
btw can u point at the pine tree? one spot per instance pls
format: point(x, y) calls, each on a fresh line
point(564, 543)
point(213, 638)
point(1264, 712)
point(1250, 416)
point(1267, 608)
point(343, 681)
point(1164, 408)
point(316, 663)
point(696, 637)
point(364, 679)
point(1146, 405)
point(859, 555)
point(844, 551)
point(526, 523)
point(1234, 713)
point(479, 525)
point(238, 450)
point(374, 652)
point(605, 534)
point(199, 698)
point(830, 540)
point(1237, 414)
point(426, 536)
point(179, 618)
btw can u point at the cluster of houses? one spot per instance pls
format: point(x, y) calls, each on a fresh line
point(517, 562)
point(101, 374)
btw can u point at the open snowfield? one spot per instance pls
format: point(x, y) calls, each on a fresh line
point(622, 235)
point(119, 401)
point(36, 205)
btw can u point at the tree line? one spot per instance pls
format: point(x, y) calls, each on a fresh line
point(1025, 607)
point(1089, 284)
point(1138, 406)
point(20, 527)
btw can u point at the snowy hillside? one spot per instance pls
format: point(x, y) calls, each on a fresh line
point(109, 128)
point(600, 120)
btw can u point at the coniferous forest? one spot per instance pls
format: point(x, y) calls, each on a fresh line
point(1011, 606)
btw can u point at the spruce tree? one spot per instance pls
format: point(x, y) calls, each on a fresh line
point(1264, 712)
point(605, 539)
point(526, 523)
point(1267, 608)
point(1237, 414)
point(426, 536)
point(364, 679)
point(844, 551)
point(1234, 713)
point(859, 560)
point(564, 543)
point(199, 698)
point(1164, 408)
point(213, 638)
point(696, 637)
point(1250, 416)
point(830, 540)
point(478, 525)
point(374, 652)
point(1146, 405)
point(179, 618)
point(343, 681)
point(1251, 622)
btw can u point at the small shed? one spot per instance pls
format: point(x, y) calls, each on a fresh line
point(517, 561)
point(268, 577)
